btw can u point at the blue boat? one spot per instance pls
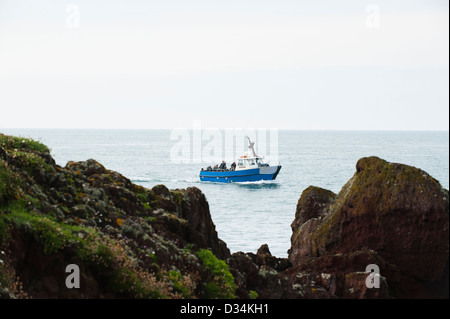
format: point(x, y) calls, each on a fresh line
point(249, 168)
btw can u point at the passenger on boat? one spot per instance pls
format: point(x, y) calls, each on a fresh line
point(233, 166)
point(223, 165)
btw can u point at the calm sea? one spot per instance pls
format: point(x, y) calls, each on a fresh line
point(250, 214)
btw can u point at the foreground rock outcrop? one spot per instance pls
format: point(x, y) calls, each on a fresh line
point(133, 242)
point(392, 215)
point(128, 241)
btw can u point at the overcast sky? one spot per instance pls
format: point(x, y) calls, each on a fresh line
point(323, 64)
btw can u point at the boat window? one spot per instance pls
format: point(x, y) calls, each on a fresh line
point(252, 162)
point(240, 162)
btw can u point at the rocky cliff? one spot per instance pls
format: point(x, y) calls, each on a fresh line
point(128, 241)
point(392, 215)
point(133, 242)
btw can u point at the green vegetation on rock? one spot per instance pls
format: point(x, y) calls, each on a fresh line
point(222, 285)
point(52, 235)
point(129, 241)
point(13, 142)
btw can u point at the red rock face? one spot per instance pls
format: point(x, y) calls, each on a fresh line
point(310, 209)
point(397, 211)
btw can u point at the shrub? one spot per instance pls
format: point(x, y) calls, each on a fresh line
point(184, 285)
point(222, 285)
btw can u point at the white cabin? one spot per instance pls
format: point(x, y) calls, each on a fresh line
point(249, 162)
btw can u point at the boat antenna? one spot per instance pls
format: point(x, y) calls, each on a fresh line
point(250, 146)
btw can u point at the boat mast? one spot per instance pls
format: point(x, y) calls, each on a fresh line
point(250, 146)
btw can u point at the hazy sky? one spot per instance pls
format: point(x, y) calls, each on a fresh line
point(323, 64)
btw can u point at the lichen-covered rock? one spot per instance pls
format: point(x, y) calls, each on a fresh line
point(128, 241)
point(310, 208)
point(355, 287)
point(202, 231)
point(252, 274)
point(311, 204)
point(398, 211)
point(264, 258)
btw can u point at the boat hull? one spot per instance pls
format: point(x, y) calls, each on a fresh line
point(247, 175)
